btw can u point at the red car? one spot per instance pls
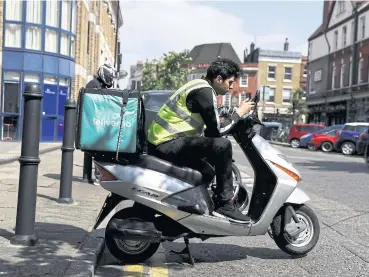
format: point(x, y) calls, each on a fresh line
point(298, 130)
point(323, 141)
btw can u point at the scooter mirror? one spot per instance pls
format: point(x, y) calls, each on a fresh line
point(257, 96)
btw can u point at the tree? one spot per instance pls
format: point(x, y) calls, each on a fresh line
point(170, 74)
point(149, 76)
point(299, 108)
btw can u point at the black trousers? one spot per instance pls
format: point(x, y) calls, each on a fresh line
point(187, 151)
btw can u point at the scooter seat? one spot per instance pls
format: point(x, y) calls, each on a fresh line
point(185, 174)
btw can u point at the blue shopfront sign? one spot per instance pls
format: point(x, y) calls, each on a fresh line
point(63, 92)
point(49, 100)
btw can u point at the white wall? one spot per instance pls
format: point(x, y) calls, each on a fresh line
point(319, 48)
point(338, 15)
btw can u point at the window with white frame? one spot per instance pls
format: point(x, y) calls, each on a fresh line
point(52, 13)
point(288, 73)
point(226, 100)
point(271, 94)
point(271, 72)
point(341, 6)
point(286, 95)
point(342, 75)
point(243, 97)
point(360, 71)
point(350, 73)
point(336, 40)
point(333, 77)
point(344, 36)
point(244, 80)
point(318, 75)
point(352, 31)
point(362, 27)
point(310, 76)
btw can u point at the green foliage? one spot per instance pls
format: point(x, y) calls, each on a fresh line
point(170, 74)
point(299, 107)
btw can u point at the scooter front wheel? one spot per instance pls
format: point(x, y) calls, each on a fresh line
point(306, 241)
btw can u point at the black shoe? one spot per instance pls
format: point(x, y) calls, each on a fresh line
point(230, 210)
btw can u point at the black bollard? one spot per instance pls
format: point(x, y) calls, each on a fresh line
point(66, 173)
point(29, 160)
point(87, 168)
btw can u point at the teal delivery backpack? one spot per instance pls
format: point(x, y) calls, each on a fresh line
point(99, 124)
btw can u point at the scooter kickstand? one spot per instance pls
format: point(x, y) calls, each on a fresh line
point(186, 250)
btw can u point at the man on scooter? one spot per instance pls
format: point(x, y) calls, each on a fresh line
point(175, 134)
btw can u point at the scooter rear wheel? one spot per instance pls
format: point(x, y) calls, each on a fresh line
point(129, 251)
point(306, 241)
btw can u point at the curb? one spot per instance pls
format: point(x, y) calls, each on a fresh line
point(43, 151)
point(86, 257)
point(279, 143)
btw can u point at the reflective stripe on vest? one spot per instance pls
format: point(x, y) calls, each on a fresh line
point(174, 119)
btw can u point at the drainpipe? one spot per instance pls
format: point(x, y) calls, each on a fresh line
point(328, 83)
point(354, 53)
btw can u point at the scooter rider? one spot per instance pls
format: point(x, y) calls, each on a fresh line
point(175, 134)
point(105, 77)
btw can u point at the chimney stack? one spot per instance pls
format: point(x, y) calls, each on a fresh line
point(252, 47)
point(286, 45)
point(245, 55)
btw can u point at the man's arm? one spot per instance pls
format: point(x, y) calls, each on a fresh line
point(204, 101)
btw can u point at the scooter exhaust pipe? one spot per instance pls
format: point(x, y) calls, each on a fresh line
point(133, 230)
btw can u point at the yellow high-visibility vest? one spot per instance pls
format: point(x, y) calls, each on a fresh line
point(174, 120)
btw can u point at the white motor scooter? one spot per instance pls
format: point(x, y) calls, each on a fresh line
point(152, 201)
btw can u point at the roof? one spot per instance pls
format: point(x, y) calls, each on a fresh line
point(207, 53)
point(279, 54)
point(317, 32)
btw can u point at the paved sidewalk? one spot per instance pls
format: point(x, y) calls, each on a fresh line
point(65, 247)
point(10, 151)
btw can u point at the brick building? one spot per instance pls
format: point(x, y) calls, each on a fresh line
point(56, 44)
point(338, 83)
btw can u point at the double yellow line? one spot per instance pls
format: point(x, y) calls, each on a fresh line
point(140, 270)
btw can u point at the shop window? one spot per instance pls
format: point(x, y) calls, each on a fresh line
point(64, 44)
point(34, 11)
point(50, 96)
point(63, 94)
point(13, 35)
point(52, 13)
point(10, 128)
point(51, 41)
point(11, 92)
point(33, 38)
point(13, 10)
point(66, 9)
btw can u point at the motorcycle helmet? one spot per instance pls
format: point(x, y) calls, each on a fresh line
point(107, 74)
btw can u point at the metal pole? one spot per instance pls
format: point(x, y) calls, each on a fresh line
point(66, 174)
point(87, 168)
point(29, 160)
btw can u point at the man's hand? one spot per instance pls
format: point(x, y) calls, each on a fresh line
point(245, 107)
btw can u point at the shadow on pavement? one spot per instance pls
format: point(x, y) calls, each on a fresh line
point(334, 166)
point(213, 253)
point(50, 257)
point(57, 177)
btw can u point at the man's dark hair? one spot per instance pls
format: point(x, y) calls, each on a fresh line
point(226, 68)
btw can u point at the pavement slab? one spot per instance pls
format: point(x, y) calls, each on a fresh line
point(62, 229)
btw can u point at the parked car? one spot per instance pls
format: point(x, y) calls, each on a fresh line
point(304, 140)
point(298, 130)
point(348, 137)
point(323, 141)
point(362, 142)
point(366, 154)
point(269, 129)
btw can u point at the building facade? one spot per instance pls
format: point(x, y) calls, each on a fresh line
point(280, 72)
point(45, 42)
point(338, 85)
